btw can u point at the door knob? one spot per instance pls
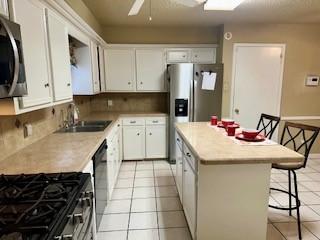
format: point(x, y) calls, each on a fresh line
point(236, 111)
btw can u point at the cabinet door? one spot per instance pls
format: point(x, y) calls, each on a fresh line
point(101, 69)
point(4, 8)
point(133, 142)
point(204, 55)
point(189, 196)
point(179, 167)
point(95, 67)
point(120, 69)
point(60, 60)
point(150, 70)
point(156, 141)
point(30, 15)
point(178, 56)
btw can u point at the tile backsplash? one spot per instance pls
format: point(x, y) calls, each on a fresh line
point(131, 102)
point(45, 122)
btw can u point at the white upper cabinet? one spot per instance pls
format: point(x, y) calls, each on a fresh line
point(31, 17)
point(4, 8)
point(178, 55)
point(120, 69)
point(203, 55)
point(60, 60)
point(95, 67)
point(150, 70)
point(102, 77)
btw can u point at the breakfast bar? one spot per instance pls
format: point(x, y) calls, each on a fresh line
point(229, 182)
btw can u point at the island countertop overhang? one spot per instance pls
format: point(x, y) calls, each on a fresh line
point(211, 147)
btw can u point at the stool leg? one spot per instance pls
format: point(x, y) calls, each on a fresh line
point(289, 176)
point(297, 203)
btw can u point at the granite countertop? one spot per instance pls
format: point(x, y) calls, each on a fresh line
point(213, 147)
point(63, 152)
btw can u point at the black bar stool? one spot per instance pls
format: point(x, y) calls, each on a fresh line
point(268, 124)
point(300, 138)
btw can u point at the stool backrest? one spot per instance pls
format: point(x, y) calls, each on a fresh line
point(299, 137)
point(268, 124)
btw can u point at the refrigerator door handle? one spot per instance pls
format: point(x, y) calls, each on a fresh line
point(191, 103)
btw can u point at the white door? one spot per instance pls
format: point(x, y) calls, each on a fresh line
point(30, 15)
point(95, 67)
point(257, 82)
point(120, 69)
point(150, 70)
point(156, 145)
point(189, 196)
point(4, 8)
point(133, 142)
point(60, 60)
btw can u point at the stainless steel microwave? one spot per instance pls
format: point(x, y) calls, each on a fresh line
point(12, 72)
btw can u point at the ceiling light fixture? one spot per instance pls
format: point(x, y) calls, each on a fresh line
point(222, 5)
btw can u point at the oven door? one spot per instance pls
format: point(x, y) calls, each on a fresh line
point(100, 181)
point(12, 74)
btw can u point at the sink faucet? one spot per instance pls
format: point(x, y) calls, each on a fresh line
point(73, 114)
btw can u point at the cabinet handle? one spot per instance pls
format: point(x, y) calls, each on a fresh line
point(68, 84)
point(138, 134)
point(46, 85)
point(129, 83)
point(118, 125)
point(196, 56)
point(188, 154)
point(133, 121)
point(178, 139)
point(185, 170)
point(150, 134)
point(141, 83)
point(155, 121)
point(183, 56)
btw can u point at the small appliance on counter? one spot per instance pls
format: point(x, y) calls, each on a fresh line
point(12, 73)
point(46, 206)
point(195, 94)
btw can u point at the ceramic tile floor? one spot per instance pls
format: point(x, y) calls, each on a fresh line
point(145, 205)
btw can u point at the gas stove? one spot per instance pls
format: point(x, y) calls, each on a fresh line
point(45, 206)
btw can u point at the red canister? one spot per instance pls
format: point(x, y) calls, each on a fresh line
point(214, 120)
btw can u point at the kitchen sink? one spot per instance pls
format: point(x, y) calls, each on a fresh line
point(86, 126)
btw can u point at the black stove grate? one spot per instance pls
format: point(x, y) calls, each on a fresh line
point(31, 205)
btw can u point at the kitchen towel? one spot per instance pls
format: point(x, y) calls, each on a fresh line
point(209, 81)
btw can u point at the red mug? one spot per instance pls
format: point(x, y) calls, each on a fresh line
point(231, 130)
point(214, 120)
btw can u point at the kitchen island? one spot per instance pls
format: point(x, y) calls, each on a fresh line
point(224, 186)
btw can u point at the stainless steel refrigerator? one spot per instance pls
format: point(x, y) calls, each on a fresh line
point(190, 101)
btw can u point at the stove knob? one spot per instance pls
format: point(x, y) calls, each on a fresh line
point(57, 238)
point(89, 194)
point(67, 237)
point(78, 217)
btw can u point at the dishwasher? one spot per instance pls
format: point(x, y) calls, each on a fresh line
point(100, 181)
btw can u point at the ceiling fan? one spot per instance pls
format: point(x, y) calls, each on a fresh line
point(225, 5)
point(189, 3)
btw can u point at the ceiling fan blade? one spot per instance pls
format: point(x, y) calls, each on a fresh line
point(136, 7)
point(190, 3)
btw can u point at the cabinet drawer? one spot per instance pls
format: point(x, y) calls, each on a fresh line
point(156, 121)
point(189, 156)
point(133, 122)
point(176, 56)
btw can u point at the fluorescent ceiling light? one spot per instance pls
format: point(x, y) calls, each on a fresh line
point(224, 5)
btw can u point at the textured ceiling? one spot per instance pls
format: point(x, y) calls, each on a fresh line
point(170, 13)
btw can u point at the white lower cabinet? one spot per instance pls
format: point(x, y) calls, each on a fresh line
point(179, 165)
point(145, 138)
point(186, 181)
point(133, 142)
point(114, 158)
point(156, 144)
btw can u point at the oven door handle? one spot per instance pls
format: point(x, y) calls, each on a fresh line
point(16, 57)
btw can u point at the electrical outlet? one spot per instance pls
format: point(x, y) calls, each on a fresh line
point(110, 103)
point(27, 130)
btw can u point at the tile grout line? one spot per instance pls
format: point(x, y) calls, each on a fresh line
point(134, 176)
point(155, 194)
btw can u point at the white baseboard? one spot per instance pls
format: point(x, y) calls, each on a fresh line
point(314, 156)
